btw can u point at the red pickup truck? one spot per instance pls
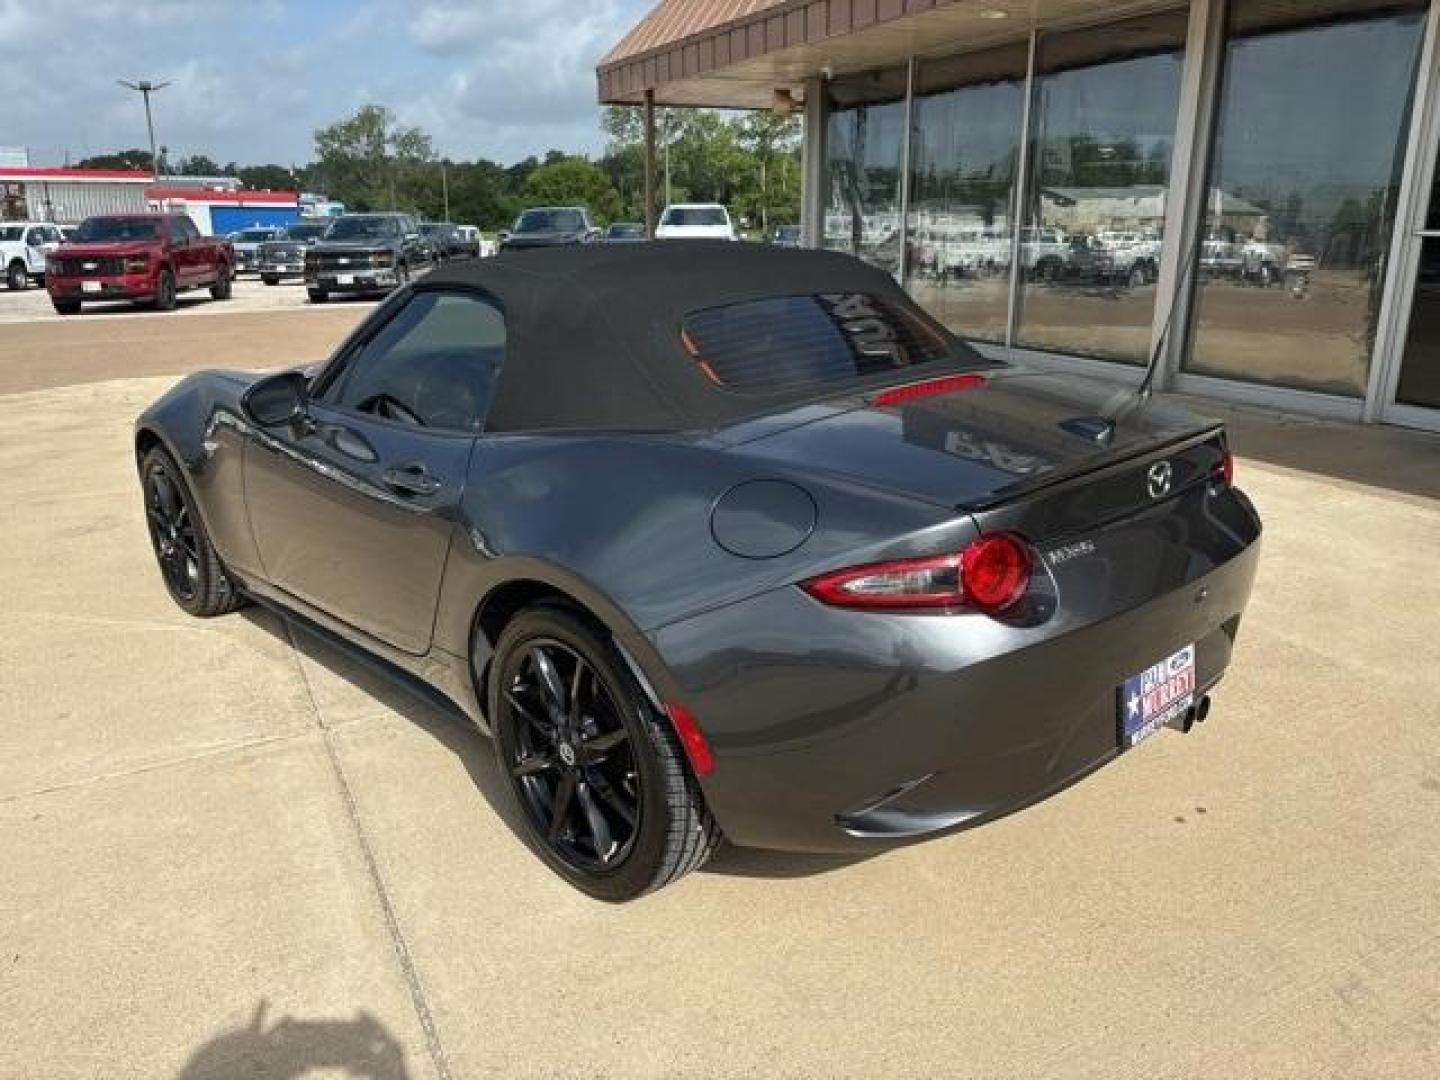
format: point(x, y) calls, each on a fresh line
point(142, 257)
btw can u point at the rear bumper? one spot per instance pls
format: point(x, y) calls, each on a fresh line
point(846, 732)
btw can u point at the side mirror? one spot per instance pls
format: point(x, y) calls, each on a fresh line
point(277, 399)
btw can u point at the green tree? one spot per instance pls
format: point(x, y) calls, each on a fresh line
point(268, 178)
point(122, 159)
point(370, 161)
point(574, 181)
point(198, 165)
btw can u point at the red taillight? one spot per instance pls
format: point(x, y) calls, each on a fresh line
point(899, 395)
point(702, 758)
point(1227, 466)
point(989, 575)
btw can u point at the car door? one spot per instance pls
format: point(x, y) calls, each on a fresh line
point(354, 508)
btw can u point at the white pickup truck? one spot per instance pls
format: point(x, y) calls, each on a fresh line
point(23, 247)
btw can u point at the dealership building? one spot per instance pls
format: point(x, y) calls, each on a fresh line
point(1244, 186)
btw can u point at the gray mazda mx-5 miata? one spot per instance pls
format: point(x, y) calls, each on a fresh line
point(720, 539)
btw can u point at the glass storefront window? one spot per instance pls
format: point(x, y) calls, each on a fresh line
point(864, 144)
point(1102, 132)
point(1309, 146)
point(964, 146)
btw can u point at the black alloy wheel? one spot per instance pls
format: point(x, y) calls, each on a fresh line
point(605, 794)
point(189, 566)
point(165, 291)
point(16, 276)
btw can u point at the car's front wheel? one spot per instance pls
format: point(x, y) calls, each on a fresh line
point(605, 793)
point(16, 276)
point(165, 291)
point(193, 574)
point(224, 286)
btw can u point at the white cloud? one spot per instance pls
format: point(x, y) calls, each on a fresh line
point(251, 81)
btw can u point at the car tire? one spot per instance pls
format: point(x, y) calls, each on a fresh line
point(164, 292)
point(619, 813)
point(318, 296)
point(65, 307)
point(17, 278)
point(189, 566)
point(270, 279)
point(224, 286)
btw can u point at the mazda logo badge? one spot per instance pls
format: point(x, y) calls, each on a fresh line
point(1157, 480)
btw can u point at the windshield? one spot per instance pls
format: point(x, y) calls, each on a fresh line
point(788, 343)
point(308, 231)
point(119, 228)
point(549, 221)
point(253, 236)
point(432, 228)
point(361, 228)
point(11, 232)
point(695, 215)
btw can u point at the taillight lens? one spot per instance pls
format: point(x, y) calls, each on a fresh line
point(989, 576)
point(1227, 466)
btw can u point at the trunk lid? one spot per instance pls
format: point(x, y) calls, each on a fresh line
point(1011, 436)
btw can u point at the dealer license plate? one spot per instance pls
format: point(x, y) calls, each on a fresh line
point(345, 279)
point(1159, 694)
point(90, 286)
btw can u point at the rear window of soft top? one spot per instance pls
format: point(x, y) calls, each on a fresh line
point(785, 343)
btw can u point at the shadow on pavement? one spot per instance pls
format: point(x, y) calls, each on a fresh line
point(402, 694)
point(293, 1048)
point(431, 711)
point(1396, 459)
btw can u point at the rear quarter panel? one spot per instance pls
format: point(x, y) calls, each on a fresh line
point(624, 525)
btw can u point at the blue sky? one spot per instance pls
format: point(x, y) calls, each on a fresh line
point(252, 79)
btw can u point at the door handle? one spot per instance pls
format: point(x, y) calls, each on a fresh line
point(410, 480)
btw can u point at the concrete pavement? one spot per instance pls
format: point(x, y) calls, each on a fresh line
point(233, 849)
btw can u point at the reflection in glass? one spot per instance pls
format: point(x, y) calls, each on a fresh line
point(1308, 152)
point(864, 141)
point(1420, 368)
point(963, 150)
point(1103, 127)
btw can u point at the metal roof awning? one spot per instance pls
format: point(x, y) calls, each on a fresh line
point(738, 53)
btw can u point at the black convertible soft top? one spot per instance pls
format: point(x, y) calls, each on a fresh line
point(594, 331)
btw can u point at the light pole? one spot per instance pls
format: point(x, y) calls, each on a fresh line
point(145, 88)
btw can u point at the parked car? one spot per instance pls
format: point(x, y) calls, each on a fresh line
point(140, 257)
point(446, 240)
point(549, 226)
point(1045, 254)
point(624, 232)
point(247, 243)
point(475, 244)
point(786, 236)
point(695, 221)
point(720, 539)
point(67, 232)
point(365, 253)
point(24, 247)
point(284, 257)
